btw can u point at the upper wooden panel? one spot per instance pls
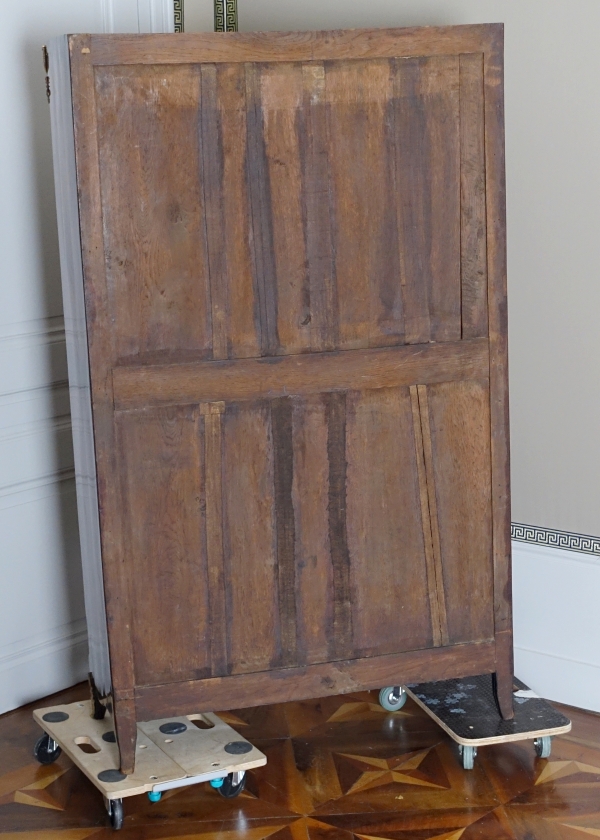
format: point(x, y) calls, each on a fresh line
point(283, 208)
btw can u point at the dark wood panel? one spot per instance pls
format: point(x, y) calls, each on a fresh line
point(314, 571)
point(250, 539)
point(143, 385)
point(162, 453)
point(473, 245)
point(152, 211)
point(427, 175)
point(369, 302)
point(388, 570)
point(291, 46)
point(281, 99)
point(459, 429)
point(282, 685)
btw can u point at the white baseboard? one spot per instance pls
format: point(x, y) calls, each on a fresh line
point(556, 596)
point(40, 665)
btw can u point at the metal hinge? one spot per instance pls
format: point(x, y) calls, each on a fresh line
point(46, 70)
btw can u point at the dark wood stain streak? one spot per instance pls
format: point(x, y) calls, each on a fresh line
point(413, 208)
point(213, 512)
point(335, 413)
point(259, 191)
point(211, 168)
point(474, 315)
point(283, 460)
point(313, 133)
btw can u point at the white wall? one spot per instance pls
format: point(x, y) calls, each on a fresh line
point(42, 626)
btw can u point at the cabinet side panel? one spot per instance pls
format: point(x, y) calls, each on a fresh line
point(63, 150)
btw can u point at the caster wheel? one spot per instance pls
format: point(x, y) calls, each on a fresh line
point(46, 750)
point(468, 756)
point(115, 812)
point(154, 795)
point(392, 698)
point(233, 785)
point(543, 746)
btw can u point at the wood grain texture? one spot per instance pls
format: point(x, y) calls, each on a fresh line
point(155, 252)
point(473, 250)
point(250, 541)
point(312, 680)
point(498, 330)
point(165, 542)
point(291, 46)
point(147, 385)
point(427, 175)
point(213, 511)
point(388, 571)
point(314, 604)
point(439, 558)
point(101, 345)
point(457, 437)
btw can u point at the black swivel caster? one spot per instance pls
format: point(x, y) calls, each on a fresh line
point(233, 785)
point(115, 813)
point(46, 750)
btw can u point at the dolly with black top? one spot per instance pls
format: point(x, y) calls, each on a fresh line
point(467, 710)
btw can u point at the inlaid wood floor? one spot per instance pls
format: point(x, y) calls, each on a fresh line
point(338, 769)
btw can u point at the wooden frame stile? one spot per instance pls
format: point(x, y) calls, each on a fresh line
point(498, 342)
point(206, 382)
point(102, 356)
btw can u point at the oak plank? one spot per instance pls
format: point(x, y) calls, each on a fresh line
point(192, 382)
point(473, 252)
point(457, 414)
point(291, 46)
point(249, 536)
point(388, 571)
point(342, 676)
point(314, 605)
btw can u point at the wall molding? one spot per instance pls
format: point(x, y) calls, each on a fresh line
point(138, 15)
point(536, 535)
point(39, 665)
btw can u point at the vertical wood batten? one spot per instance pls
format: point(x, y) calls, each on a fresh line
point(498, 330)
point(211, 169)
point(335, 413)
point(433, 512)
point(473, 258)
point(318, 210)
point(259, 192)
point(101, 345)
point(212, 415)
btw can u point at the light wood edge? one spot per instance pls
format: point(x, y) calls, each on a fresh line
point(291, 46)
point(82, 724)
point(482, 742)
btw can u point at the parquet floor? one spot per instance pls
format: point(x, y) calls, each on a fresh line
point(338, 769)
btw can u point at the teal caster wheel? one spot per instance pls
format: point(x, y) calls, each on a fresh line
point(543, 746)
point(392, 698)
point(154, 795)
point(217, 783)
point(468, 756)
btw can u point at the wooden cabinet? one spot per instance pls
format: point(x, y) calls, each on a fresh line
point(284, 257)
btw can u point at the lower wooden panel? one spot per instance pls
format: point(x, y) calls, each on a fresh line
point(280, 686)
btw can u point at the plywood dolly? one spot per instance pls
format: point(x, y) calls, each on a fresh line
point(171, 753)
point(466, 710)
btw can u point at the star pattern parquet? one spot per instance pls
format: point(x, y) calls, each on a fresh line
point(340, 768)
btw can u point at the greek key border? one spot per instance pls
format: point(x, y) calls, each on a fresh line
point(555, 539)
point(178, 15)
